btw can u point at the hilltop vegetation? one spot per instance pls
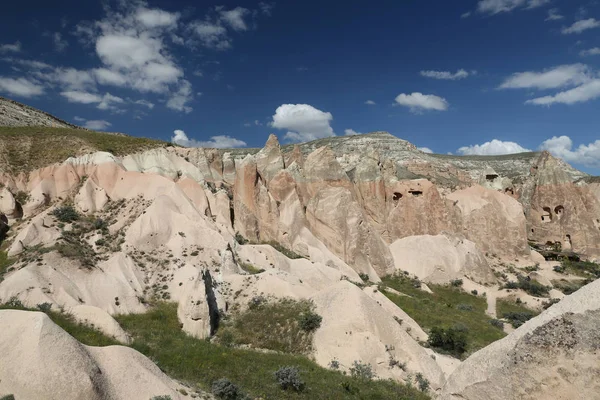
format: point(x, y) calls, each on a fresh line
point(23, 149)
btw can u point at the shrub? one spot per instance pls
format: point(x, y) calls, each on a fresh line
point(163, 397)
point(66, 214)
point(464, 307)
point(474, 292)
point(457, 282)
point(44, 307)
point(334, 364)
point(530, 286)
point(422, 382)
point(559, 268)
point(22, 197)
point(497, 323)
point(364, 277)
point(8, 397)
point(240, 239)
point(362, 370)
point(517, 319)
point(451, 339)
point(256, 302)
point(310, 321)
point(224, 389)
point(289, 378)
point(549, 303)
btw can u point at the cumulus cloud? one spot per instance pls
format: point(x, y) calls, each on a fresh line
point(10, 48)
point(370, 102)
point(60, 44)
point(351, 132)
point(594, 51)
point(303, 122)
point(556, 77)
point(500, 6)
point(562, 146)
point(492, 148)
point(20, 87)
point(145, 103)
point(222, 141)
point(581, 25)
point(418, 102)
point(212, 35)
point(585, 92)
point(156, 18)
point(446, 75)
point(425, 150)
point(106, 102)
point(97, 125)
point(179, 99)
point(553, 15)
point(235, 18)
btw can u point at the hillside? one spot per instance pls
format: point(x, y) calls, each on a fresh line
point(13, 113)
point(350, 267)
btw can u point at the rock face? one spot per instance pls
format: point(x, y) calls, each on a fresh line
point(553, 356)
point(41, 361)
point(13, 113)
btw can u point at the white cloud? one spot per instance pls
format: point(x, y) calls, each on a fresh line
point(178, 100)
point(212, 35)
point(425, 150)
point(222, 141)
point(303, 122)
point(370, 102)
point(466, 15)
point(105, 76)
point(27, 63)
point(235, 18)
point(97, 125)
point(79, 119)
point(553, 15)
point(418, 102)
point(145, 103)
point(156, 18)
point(106, 102)
point(266, 8)
point(446, 75)
point(10, 48)
point(60, 44)
point(499, 6)
point(562, 146)
point(74, 96)
point(561, 76)
point(581, 26)
point(495, 147)
point(585, 92)
point(20, 87)
point(351, 132)
point(595, 51)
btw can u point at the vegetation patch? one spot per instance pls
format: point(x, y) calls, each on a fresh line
point(251, 269)
point(158, 335)
point(448, 307)
point(5, 263)
point(581, 268)
point(27, 148)
point(283, 325)
point(569, 286)
point(530, 286)
point(515, 314)
point(452, 340)
point(86, 334)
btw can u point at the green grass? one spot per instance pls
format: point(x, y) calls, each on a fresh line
point(582, 268)
point(273, 325)
point(251, 269)
point(5, 263)
point(158, 335)
point(569, 286)
point(86, 334)
point(447, 307)
point(512, 312)
point(28, 148)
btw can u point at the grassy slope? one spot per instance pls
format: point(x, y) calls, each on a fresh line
point(23, 149)
point(158, 335)
point(440, 309)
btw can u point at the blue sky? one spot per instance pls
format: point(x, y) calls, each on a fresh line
point(466, 77)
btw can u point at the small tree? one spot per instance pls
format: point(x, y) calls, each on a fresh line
point(362, 370)
point(289, 378)
point(224, 389)
point(66, 214)
point(310, 321)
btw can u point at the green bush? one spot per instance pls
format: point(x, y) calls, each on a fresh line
point(362, 370)
point(45, 307)
point(530, 286)
point(465, 307)
point(240, 239)
point(517, 319)
point(452, 340)
point(163, 397)
point(422, 382)
point(66, 214)
point(289, 378)
point(224, 389)
point(310, 321)
point(457, 282)
point(8, 397)
point(497, 323)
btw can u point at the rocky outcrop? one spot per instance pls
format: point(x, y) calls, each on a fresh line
point(553, 356)
point(41, 361)
point(13, 113)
